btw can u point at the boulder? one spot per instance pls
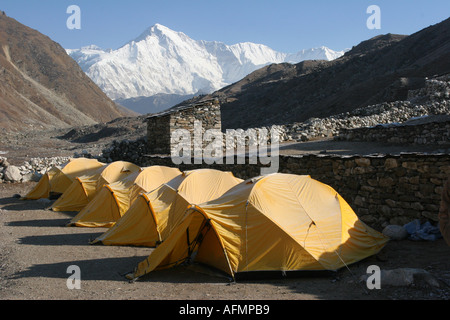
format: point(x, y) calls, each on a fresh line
point(395, 232)
point(12, 173)
point(405, 277)
point(4, 162)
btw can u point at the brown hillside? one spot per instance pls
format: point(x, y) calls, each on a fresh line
point(42, 87)
point(377, 70)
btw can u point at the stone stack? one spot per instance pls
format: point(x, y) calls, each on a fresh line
point(437, 133)
point(436, 89)
point(385, 113)
point(126, 150)
point(162, 126)
point(30, 170)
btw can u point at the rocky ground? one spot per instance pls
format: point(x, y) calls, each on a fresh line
point(20, 147)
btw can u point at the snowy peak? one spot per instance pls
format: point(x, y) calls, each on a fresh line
point(158, 31)
point(161, 60)
point(257, 54)
point(321, 53)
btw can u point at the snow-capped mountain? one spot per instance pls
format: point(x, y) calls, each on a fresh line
point(161, 60)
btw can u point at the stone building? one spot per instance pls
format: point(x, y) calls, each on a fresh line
point(161, 126)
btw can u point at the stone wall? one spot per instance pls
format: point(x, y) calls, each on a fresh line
point(435, 89)
point(427, 133)
point(382, 189)
point(162, 126)
point(158, 134)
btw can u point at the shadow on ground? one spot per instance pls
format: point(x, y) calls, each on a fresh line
point(81, 239)
point(107, 269)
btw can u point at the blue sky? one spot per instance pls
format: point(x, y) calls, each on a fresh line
point(284, 25)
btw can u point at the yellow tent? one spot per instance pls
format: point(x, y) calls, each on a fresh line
point(154, 215)
point(85, 187)
point(57, 180)
point(114, 199)
point(279, 222)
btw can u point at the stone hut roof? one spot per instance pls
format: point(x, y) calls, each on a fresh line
point(182, 108)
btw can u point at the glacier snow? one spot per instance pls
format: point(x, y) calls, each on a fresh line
point(161, 60)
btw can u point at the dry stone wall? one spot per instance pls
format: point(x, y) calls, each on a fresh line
point(381, 189)
point(428, 133)
point(396, 112)
point(162, 126)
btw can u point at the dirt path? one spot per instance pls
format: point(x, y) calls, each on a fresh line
point(36, 249)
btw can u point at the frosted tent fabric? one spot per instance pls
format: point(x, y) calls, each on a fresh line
point(58, 180)
point(84, 188)
point(165, 207)
point(113, 200)
point(278, 222)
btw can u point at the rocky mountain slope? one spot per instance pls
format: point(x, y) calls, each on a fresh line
point(41, 87)
point(381, 69)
